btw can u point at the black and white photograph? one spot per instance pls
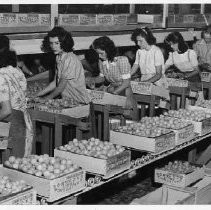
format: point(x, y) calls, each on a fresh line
point(105, 103)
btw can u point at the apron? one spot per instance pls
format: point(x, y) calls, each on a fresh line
point(27, 119)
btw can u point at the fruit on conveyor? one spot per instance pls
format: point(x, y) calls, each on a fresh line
point(180, 167)
point(203, 103)
point(93, 147)
point(42, 166)
point(144, 129)
point(7, 186)
point(196, 115)
point(165, 122)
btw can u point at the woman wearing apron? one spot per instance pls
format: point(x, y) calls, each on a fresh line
point(184, 59)
point(149, 58)
point(115, 70)
point(13, 104)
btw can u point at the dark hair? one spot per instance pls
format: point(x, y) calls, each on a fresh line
point(91, 56)
point(65, 39)
point(176, 37)
point(106, 44)
point(205, 30)
point(8, 58)
point(145, 33)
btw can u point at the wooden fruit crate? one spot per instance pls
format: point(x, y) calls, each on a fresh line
point(155, 145)
point(26, 197)
point(184, 134)
point(51, 189)
point(107, 168)
point(172, 82)
point(103, 98)
point(199, 193)
point(178, 179)
point(203, 127)
point(147, 88)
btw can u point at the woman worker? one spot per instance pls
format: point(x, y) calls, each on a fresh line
point(149, 58)
point(69, 80)
point(13, 102)
point(203, 49)
point(182, 57)
point(115, 70)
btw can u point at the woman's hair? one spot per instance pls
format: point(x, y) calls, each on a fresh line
point(206, 29)
point(64, 37)
point(91, 56)
point(7, 57)
point(145, 33)
point(106, 44)
point(176, 37)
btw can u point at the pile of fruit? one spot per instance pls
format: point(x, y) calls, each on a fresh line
point(93, 147)
point(196, 115)
point(203, 103)
point(165, 122)
point(144, 129)
point(35, 87)
point(52, 105)
point(42, 166)
point(181, 167)
point(7, 186)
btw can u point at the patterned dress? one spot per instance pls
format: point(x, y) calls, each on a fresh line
point(12, 88)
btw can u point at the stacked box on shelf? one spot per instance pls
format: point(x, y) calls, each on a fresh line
point(179, 174)
point(200, 119)
point(184, 131)
point(52, 186)
point(96, 156)
point(144, 137)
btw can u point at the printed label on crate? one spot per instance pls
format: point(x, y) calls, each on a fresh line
point(205, 76)
point(186, 132)
point(68, 183)
point(120, 19)
point(164, 142)
point(188, 19)
point(118, 161)
point(28, 19)
point(177, 82)
point(105, 19)
point(96, 95)
point(45, 19)
point(8, 19)
point(69, 19)
point(168, 177)
point(87, 19)
point(141, 87)
point(206, 126)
